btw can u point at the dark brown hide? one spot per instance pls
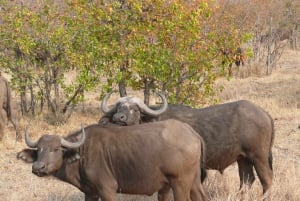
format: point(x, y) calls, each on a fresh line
point(139, 159)
point(6, 112)
point(237, 131)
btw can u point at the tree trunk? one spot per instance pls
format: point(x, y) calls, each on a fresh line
point(270, 39)
point(122, 88)
point(122, 83)
point(55, 74)
point(32, 102)
point(79, 90)
point(148, 84)
point(293, 39)
point(50, 104)
point(23, 100)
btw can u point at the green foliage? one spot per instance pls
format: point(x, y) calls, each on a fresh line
point(171, 44)
point(150, 41)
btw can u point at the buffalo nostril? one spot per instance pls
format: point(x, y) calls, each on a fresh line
point(43, 166)
point(122, 117)
point(38, 166)
point(119, 117)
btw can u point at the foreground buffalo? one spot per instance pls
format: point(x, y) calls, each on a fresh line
point(141, 159)
point(237, 131)
point(6, 109)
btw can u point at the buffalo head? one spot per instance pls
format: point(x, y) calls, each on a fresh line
point(48, 153)
point(129, 110)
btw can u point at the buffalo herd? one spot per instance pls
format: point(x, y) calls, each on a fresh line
point(140, 149)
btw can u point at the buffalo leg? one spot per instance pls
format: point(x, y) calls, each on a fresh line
point(1, 130)
point(245, 172)
point(180, 194)
point(163, 195)
point(264, 172)
point(180, 189)
point(2, 124)
point(108, 191)
point(197, 191)
point(88, 198)
point(109, 196)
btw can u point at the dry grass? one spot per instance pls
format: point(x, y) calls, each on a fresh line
point(279, 94)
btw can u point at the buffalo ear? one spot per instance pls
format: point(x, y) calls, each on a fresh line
point(27, 155)
point(104, 120)
point(147, 118)
point(71, 155)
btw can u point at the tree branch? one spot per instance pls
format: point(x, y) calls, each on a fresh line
point(78, 90)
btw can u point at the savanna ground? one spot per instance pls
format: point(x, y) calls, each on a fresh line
point(279, 94)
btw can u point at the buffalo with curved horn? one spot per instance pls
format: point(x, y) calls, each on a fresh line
point(233, 132)
point(133, 105)
point(139, 159)
point(64, 143)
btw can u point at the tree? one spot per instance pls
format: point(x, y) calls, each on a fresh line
point(158, 45)
point(37, 45)
point(270, 22)
point(170, 46)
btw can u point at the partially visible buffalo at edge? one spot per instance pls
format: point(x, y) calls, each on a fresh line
point(6, 111)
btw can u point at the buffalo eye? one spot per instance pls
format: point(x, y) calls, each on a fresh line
point(135, 109)
point(56, 149)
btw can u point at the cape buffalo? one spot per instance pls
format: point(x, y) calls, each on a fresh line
point(140, 159)
point(135, 106)
point(5, 102)
point(237, 131)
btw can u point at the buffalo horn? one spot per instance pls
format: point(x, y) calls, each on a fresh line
point(73, 145)
point(145, 109)
point(28, 141)
point(104, 106)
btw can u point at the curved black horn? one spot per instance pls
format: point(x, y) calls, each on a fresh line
point(74, 145)
point(28, 141)
point(104, 106)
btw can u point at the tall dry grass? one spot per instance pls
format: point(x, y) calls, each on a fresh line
point(278, 94)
